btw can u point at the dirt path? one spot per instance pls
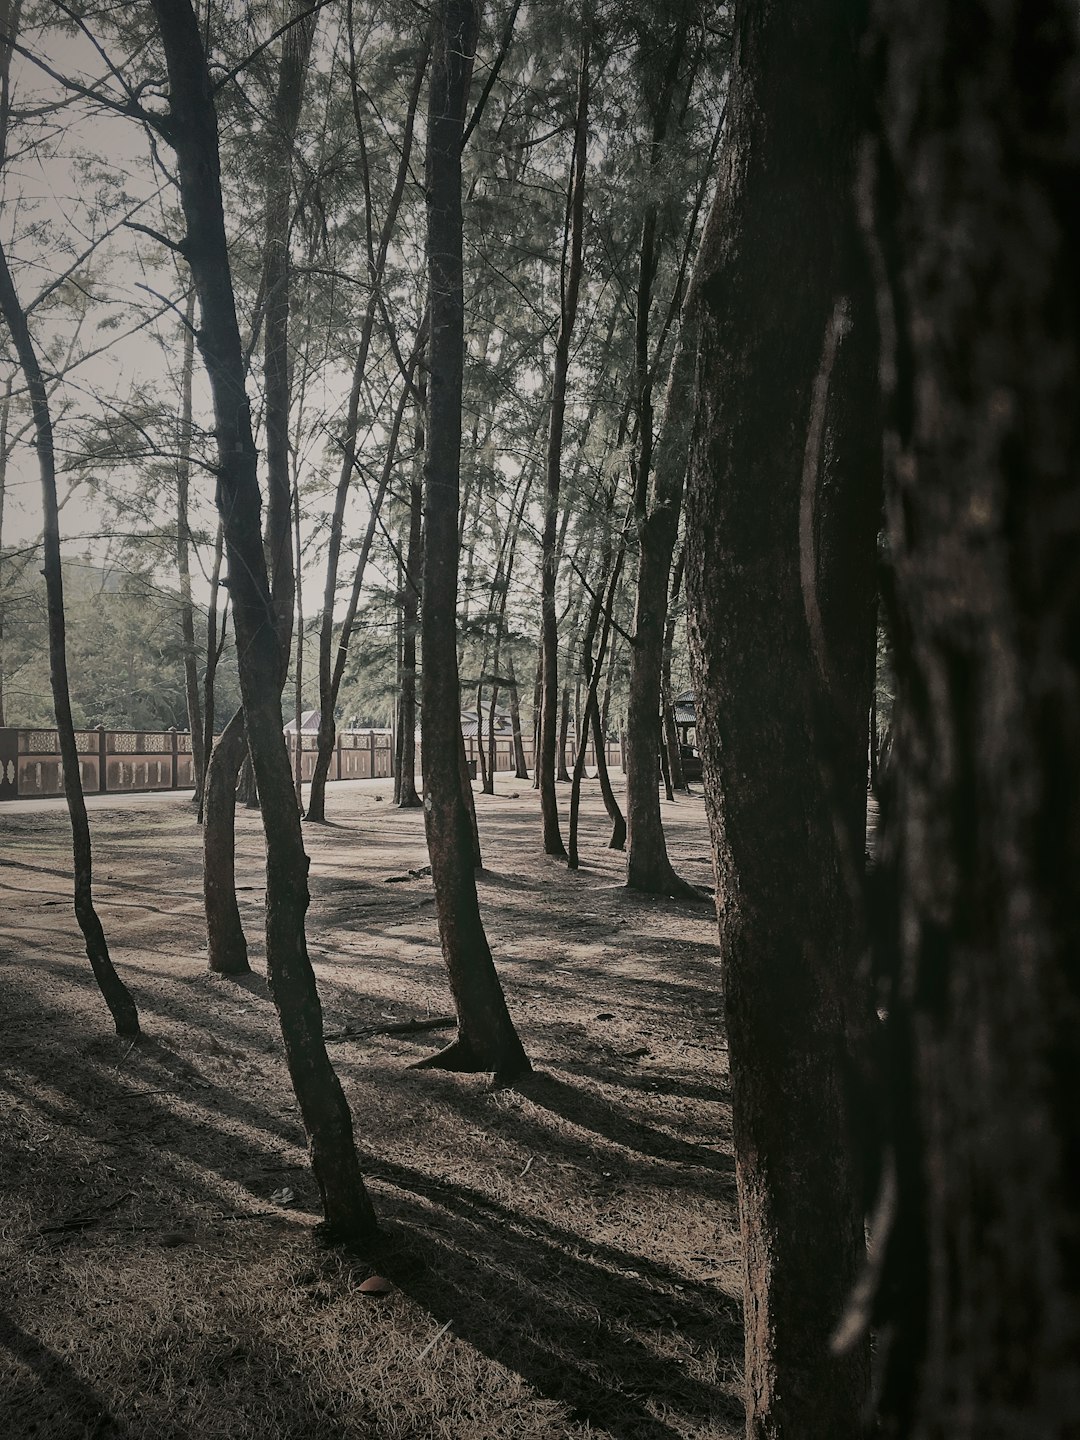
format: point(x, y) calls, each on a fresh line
point(563, 1254)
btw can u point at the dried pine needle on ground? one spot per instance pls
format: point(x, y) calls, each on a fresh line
point(560, 1259)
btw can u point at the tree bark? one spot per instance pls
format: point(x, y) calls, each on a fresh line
point(408, 799)
point(117, 997)
point(226, 945)
point(486, 1038)
point(667, 699)
point(183, 559)
point(521, 769)
point(316, 809)
point(570, 280)
point(781, 542)
point(191, 128)
point(647, 865)
point(968, 194)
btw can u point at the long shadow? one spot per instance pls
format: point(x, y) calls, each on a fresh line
point(593, 1113)
point(88, 1415)
point(497, 1274)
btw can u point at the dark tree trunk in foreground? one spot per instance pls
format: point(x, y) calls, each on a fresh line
point(486, 1037)
point(970, 197)
point(191, 128)
point(781, 528)
point(117, 998)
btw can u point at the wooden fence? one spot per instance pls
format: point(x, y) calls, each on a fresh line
point(119, 762)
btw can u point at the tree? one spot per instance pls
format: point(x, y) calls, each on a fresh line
point(486, 1037)
point(115, 993)
point(783, 508)
point(190, 126)
point(569, 290)
point(968, 193)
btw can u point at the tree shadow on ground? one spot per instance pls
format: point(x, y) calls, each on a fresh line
point(496, 1274)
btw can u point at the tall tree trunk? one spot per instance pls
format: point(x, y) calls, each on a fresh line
point(115, 993)
point(667, 698)
point(521, 769)
point(183, 557)
point(570, 281)
point(408, 799)
point(647, 865)
point(316, 809)
point(969, 193)
point(781, 540)
point(191, 128)
point(486, 1037)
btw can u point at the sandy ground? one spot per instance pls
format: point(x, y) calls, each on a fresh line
point(562, 1255)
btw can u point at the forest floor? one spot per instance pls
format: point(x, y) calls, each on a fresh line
point(563, 1254)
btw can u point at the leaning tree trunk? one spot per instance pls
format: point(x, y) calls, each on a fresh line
point(486, 1037)
point(116, 995)
point(969, 193)
point(781, 530)
point(191, 128)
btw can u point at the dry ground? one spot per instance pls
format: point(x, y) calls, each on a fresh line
point(562, 1254)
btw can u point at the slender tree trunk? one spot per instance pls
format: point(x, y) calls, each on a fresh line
point(647, 866)
point(329, 694)
point(667, 699)
point(562, 774)
point(191, 128)
point(570, 285)
point(593, 670)
point(183, 557)
point(215, 644)
point(316, 809)
point(521, 769)
point(969, 197)
point(486, 1037)
point(408, 798)
point(781, 537)
point(538, 702)
point(115, 993)
point(5, 416)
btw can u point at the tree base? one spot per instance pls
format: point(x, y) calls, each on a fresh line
point(669, 885)
point(460, 1057)
point(359, 1239)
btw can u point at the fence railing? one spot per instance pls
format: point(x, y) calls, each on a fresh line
point(119, 762)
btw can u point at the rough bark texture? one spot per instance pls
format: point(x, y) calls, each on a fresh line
point(191, 128)
point(486, 1037)
point(969, 195)
point(116, 995)
point(667, 698)
point(782, 517)
point(647, 865)
point(226, 945)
